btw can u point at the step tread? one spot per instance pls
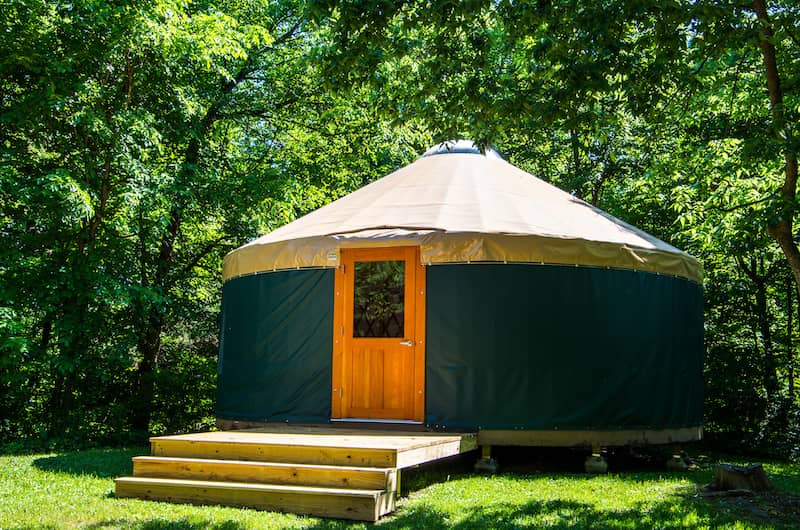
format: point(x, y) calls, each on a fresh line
point(287, 444)
point(356, 440)
point(259, 463)
point(287, 454)
point(277, 488)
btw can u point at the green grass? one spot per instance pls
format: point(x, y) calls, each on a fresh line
point(74, 490)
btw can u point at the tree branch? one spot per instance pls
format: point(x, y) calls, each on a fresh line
point(190, 264)
point(286, 36)
point(746, 204)
point(781, 230)
point(788, 30)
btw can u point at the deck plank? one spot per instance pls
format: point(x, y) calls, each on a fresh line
point(263, 472)
point(317, 445)
point(298, 453)
point(322, 437)
point(347, 473)
point(363, 505)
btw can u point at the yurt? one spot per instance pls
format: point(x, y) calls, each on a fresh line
point(462, 293)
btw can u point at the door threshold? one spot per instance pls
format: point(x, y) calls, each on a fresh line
point(370, 420)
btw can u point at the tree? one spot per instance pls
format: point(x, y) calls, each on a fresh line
point(690, 107)
point(139, 144)
point(485, 69)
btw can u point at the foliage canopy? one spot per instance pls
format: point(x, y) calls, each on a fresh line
point(139, 142)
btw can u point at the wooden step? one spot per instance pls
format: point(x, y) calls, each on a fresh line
point(357, 504)
point(318, 470)
point(265, 472)
point(271, 452)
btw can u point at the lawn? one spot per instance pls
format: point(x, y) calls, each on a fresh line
point(74, 490)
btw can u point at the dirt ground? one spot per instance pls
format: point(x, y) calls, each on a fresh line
point(774, 507)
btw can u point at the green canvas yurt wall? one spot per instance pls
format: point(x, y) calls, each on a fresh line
point(275, 347)
point(596, 327)
point(566, 348)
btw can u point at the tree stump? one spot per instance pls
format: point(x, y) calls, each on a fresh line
point(730, 477)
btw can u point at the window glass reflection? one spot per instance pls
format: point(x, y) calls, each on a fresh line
point(378, 303)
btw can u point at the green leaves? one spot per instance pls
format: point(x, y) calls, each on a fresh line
point(213, 39)
point(138, 145)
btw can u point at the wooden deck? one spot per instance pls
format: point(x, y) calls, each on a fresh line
point(325, 471)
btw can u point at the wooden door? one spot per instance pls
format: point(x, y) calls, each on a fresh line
point(379, 335)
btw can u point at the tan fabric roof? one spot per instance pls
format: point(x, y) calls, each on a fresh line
point(463, 207)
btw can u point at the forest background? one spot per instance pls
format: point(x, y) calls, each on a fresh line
point(141, 141)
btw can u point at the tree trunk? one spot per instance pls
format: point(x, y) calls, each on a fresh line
point(577, 188)
point(596, 186)
point(759, 279)
point(47, 334)
point(576, 158)
point(153, 318)
point(73, 343)
point(149, 346)
point(729, 477)
point(781, 230)
point(73, 331)
point(789, 342)
point(770, 376)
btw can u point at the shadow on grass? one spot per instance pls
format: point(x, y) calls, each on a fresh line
point(678, 510)
point(671, 513)
point(526, 463)
point(681, 509)
point(784, 476)
point(96, 462)
point(422, 476)
point(675, 510)
point(164, 524)
point(562, 462)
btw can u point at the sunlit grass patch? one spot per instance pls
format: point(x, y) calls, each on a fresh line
point(75, 490)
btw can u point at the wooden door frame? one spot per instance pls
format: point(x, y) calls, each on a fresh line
point(342, 295)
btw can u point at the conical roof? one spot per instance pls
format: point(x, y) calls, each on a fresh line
point(460, 205)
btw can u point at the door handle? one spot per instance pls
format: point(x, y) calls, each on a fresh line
point(407, 342)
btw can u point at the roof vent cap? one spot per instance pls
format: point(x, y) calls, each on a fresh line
point(449, 147)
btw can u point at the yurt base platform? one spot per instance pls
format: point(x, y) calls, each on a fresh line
point(514, 437)
point(321, 471)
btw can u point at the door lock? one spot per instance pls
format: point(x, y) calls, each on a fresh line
point(407, 342)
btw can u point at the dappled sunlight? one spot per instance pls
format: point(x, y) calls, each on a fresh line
point(74, 489)
point(98, 462)
point(537, 513)
point(159, 524)
point(566, 501)
point(784, 475)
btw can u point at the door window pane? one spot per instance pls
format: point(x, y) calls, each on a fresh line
point(378, 304)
